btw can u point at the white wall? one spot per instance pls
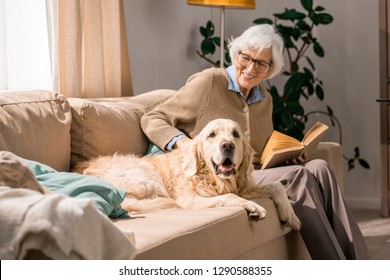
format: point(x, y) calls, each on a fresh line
point(163, 37)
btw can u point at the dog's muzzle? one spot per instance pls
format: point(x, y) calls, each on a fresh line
point(227, 147)
point(225, 168)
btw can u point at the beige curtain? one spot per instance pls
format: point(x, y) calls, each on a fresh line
point(94, 60)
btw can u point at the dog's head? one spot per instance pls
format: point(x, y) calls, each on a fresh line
point(222, 148)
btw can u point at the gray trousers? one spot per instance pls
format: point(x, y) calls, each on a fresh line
point(328, 227)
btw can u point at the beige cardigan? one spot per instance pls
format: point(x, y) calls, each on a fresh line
point(203, 98)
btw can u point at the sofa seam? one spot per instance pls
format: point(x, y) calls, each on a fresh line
point(99, 104)
point(83, 115)
point(33, 102)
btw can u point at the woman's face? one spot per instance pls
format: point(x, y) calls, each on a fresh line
point(247, 77)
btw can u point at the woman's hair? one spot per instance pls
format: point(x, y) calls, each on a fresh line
point(259, 37)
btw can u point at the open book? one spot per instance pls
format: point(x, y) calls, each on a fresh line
point(281, 148)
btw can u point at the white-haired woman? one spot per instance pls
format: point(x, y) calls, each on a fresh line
point(236, 93)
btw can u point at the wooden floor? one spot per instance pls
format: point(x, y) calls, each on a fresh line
point(376, 231)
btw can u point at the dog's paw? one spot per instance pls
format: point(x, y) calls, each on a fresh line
point(294, 222)
point(255, 211)
point(287, 216)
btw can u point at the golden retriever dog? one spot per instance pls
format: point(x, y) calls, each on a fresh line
point(214, 169)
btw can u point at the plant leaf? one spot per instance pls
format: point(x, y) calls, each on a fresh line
point(310, 88)
point(228, 61)
point(210, 28)
point(286, 32)
point(300, 124)
point(325, 18)
point(291, 14)
point(330, 111)
point(314, 17)
point(263, 20)
point(293, 86)
point(308, 73)
point(203, 31)
point(307, 5)
point(364, 163)
point(319, 9)
point(273, 91)
point(357, 152)
point(217, 41)
point(319, 92)
point(287, 119)
point(296, 132)
point(277, 101)
point(207, 46)
point(296, 34)
point(278, 105)
point(303, 25)
point(318, 49)
point(310, 63)
point(351, 164)
point(295, 108)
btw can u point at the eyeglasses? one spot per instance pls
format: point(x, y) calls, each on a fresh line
point(260, 67)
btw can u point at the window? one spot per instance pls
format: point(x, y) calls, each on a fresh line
point(24, 45)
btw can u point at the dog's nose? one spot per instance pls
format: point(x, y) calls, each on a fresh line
point(227, 146)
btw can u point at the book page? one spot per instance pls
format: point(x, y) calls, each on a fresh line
point(279, 158)
point(313, 136)
point(279, 144)
point(278, 141)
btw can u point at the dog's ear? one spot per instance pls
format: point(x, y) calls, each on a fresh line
point(244, 178)
point(190, 164)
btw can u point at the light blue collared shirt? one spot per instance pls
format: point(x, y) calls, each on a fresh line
point(255, 93)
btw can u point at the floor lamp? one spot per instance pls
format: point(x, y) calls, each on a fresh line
point(240, 4)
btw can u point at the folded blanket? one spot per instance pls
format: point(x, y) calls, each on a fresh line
point(58, 226)
point(102, 193)
point(16, 175)
point(17, 172)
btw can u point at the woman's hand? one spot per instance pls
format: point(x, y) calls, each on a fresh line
point(181, 143)
point(298, 160)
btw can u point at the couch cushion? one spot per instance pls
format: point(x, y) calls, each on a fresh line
point(35, 125)
point(212, 233)
point(103, 126)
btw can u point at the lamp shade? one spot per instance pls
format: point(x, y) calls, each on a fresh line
point(243, 4)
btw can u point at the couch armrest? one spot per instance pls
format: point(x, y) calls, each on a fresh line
point(332, 152)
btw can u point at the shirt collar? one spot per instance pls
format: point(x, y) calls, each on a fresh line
point(255, 93)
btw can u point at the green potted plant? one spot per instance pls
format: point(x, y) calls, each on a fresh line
point(297, 27)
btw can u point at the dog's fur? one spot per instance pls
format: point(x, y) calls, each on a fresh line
point(215, 169)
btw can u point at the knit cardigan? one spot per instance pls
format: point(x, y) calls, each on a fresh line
point(203, 98)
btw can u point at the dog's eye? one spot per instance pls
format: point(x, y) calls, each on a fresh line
point(235, 134)
point(212, 135)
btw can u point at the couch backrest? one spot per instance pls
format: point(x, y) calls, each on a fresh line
point(46, 127)
point(35, 125)
point(103, 126)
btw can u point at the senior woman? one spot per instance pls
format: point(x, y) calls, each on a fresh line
point(328, 228)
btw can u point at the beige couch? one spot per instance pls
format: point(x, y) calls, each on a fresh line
point(48, 128)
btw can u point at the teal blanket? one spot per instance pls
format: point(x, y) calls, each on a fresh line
point(103, 194)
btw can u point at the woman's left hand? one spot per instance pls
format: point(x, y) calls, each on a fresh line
point(299, 160)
